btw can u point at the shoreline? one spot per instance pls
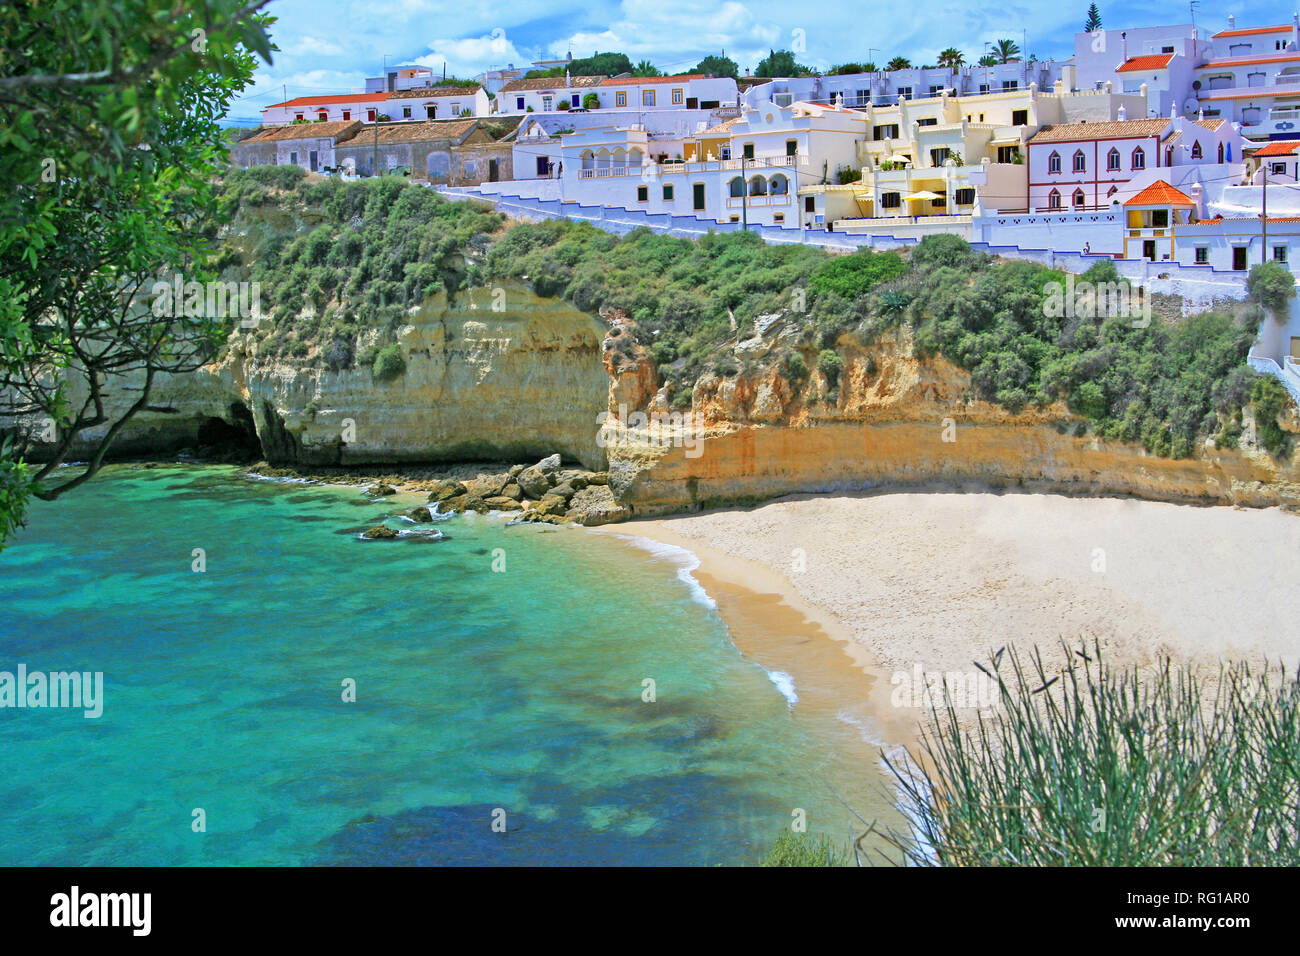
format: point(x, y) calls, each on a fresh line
point(937, 581)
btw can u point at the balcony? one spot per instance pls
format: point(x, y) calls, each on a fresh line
point(753, 202)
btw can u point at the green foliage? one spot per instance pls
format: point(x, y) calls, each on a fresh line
point(1270, 399)
point(718, 66)
point(780, 63)
point(800, 849)
point(15, 489)
point(830, 363)
point(109, 139)
point(796, 368)
point(646, 68)
point(591, 101)
point(1106, 769)
point(944, 250)
point(602, 64)
point(850, 276)
point(1272, 285)
point(898, 63)
point(1093, 21)
point(848, 174)
point(389, 363)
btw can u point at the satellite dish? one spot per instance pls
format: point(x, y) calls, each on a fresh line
point(1191, 106)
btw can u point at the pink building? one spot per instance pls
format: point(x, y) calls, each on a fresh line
point(1086, 166)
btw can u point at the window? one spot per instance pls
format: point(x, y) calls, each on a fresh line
point(1279, 253)
point(406, 112)
point(297, 116)
point(1277, 169)
point(1166, 49)
point(370, 116)
point(724, 152)
point(293, 159)
point(698, 191)
point(1139, 158)
point(647, 97)
point(734, 219)
point(1018, 117)
point(1169, 155)
point(1220, 152)
point(984, 87)
point(891, 200)
point(1054, 162)
point(939, 156)
point(575, 99)
point(1239, 258)
point(543, 166)
point(809, 204)
point(778, 217)
point(519, 102)
point(1080, 161)
point(905, 92)
point(1054, 200)
point(642, 194)
point(668, 192)
point(792, 147)
point(678, 98)
point(936, 90)
point(431, 111)
point(887, 131)
point(927, 121)
point(548, 103)
point(1010, 85)
point(748, 151)
point(1112, 160)
point(347, 114)
point(321, 116)
point(620, 98)
point(1202, 255)
point(1078, 198)
point(1008, 154)
point(1196, 150)
point(1160, 218)
point(965, 196)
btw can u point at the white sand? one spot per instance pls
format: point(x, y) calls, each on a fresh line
point(939, 579)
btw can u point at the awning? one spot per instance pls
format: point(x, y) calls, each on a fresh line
point(923, 194)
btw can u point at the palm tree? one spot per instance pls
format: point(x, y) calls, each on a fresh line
point(898, 63)
point(1006, 50)
point(952, 58)
point(988, 59)
point(646, 68)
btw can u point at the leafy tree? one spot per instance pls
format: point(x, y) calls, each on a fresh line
point(718, 66)
point(1272, 285)
point(899, 63)
point(848, 69)
point(952, 58)
point(108, 143)
point(601, 64)
point(1006, 50)
point(780, 63)
point(1093, 22)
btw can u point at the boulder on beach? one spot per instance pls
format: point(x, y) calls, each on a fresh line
point(596, 505)
point(564, 489)
point(381, 490)
point(486, 486)
point(552, 505)
point(548, 465)
point(475, 503)
point(512, 490)
point(448, 488)
point(533, 482)
point(502, 503)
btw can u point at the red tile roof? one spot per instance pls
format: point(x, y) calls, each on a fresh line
point(1140, 64)
point(1247, 61)
point(329, 100)
point(1281, 147)
point(638, 80)
point(1160, 193)
point(1246, 33)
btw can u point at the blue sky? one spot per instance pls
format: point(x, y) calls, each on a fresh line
point(330, 46)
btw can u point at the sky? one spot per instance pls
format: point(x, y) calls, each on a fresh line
point(331, 46)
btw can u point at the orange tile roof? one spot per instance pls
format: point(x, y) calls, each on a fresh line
point(638, 80)
point(1138, 64)
point(1113, 129)
point(1280, 147)
point(1160, 193)
point(338, 128)
point(1247, 61)
point(1263, 91)
point(1246, 33)
point(429, 92)
point(327, 100)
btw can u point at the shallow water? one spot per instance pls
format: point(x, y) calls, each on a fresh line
point(511, 695)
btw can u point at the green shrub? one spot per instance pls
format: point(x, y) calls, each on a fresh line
point(800, 849)
point(830, 364)
point(1269, 398)
point(1272, 285)
point(849, 276)
point(944, 250)
point(389, 363)
point(796, 368)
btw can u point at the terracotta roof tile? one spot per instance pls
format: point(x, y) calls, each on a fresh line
point(427, 92)
point(301, 131)
point(642, 80)
point(1280, 147)
point(1117, 129)
point(413, 130)
point(328, 100)
point(1138, 64)
point(1246, 33)
point(1160, 193)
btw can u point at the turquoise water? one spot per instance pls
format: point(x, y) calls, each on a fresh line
point(476, 691)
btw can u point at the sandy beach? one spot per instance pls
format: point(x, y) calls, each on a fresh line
point(853, 591)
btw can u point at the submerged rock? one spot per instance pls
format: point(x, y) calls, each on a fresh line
point(379, 533)
point(420, 513)
point(381, 490)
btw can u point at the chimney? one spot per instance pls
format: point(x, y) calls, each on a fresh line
point(1121, 114)
point(1232, 22)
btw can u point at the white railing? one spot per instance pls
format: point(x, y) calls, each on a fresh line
point(780, 199)
point(601, 172)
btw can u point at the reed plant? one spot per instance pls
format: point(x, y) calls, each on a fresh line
point(1085, 766)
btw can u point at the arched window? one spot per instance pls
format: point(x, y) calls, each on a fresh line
point(619, 157)
point(1054, 162)
point(635, 157)
point(1078, 198)
point(588, 159)
point(1054, 199)
point(602, 159)
point(758, 186)
point(1220, 152)
point(322, 115)
point(737, 186)
point(1139, 158)
point(1196, 150)
point(1080, 161)
point(780, 185)
point(1112, 159)
point(1169, 156)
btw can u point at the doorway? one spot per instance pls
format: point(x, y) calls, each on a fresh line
point(1239, 258)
